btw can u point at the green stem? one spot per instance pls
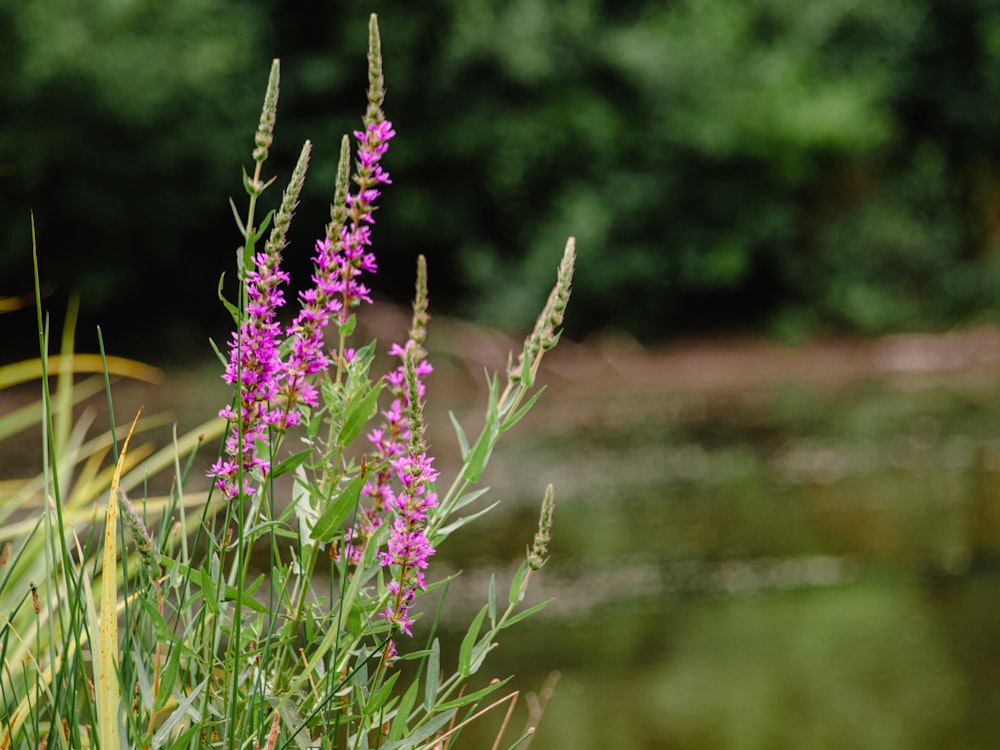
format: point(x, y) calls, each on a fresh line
point(241, 561)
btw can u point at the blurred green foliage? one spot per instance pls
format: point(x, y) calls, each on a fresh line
point(792, 167)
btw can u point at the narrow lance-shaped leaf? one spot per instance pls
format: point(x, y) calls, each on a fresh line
point(465, 650)
point(328, 524)
point(463, 441)
point(106, 679)
point(433, 676)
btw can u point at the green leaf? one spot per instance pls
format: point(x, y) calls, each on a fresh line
point(163, 631)
point(472, 697)
point(476, 461)
point(168, 678)
point(463, 441)
point(414, 655)
point(493, 382)
point(208, 589)
point(359, 411)
point(516, 595)
point(433, 677)
point(480, 651)
point(511, 421)
point(329, 523)
point(218, 353)
point(246, 596)
point(465, 650)
point(291, 463)
point(364, 356)
point(180, 713)
point(469, 497)
point(259, 233)
point(353, 622)
point(459, 523)
point(492, 604)
point(348, 326)
point(512, 396)
point(398, 728)
point(418, 736)
point(236, 216)
point(526, 613)
point(381, 695)
point(248, 184)
point(312, 428)
point(233, 309)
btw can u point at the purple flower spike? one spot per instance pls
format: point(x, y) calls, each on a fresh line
point(408, 547)
point(271, 391)
point(354, 241)
point(255, 365)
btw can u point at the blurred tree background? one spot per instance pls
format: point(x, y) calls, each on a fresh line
point(785, 167)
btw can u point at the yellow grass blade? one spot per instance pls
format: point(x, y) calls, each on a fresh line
point(31, 369)
point(106, 679)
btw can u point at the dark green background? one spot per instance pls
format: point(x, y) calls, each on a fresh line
point(785, 167)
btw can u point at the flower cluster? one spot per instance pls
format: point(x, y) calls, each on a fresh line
point(409, 548)
point(337, 266)
point(389, 443)
point(255, 365)
point(271, 388)
point(355, 238)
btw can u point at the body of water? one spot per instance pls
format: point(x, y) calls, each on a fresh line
point(787, 562)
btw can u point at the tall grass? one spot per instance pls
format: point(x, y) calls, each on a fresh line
point(295, 604)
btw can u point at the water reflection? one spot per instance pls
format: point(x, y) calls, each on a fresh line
point(783, 566)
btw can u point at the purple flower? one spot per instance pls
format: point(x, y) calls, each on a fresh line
point(389, 442)
point(254, 367)
point(336, 268)
point(408, 549)
point(353, 241)
point(270, 390)
point(307, 355)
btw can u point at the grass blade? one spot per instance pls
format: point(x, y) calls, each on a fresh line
point(106, 678)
